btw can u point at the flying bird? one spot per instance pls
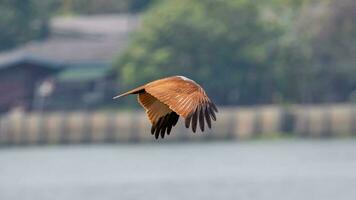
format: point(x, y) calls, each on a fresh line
point(167, 99)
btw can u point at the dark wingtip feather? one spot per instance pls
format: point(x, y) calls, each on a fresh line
point(207, 117)
point(212, 113)
point(170, 123)
point(187, 120)
point(152, 129)
point(156, 136)
point(176, 118)
point(155, 126)
point(158, 127)
point(173, 119)
point(195, 120)
point(163, 131)
point(214, 107)
point(164, 125)
point(201, 118)
point(169, 128)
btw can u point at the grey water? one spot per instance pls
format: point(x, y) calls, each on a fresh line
point(272, 169)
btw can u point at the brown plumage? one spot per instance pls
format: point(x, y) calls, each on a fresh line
point(166, 99)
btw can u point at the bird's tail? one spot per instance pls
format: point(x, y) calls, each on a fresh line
point(134, 91)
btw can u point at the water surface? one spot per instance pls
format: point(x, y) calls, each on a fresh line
point(276, 170)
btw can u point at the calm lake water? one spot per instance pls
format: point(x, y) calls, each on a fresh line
point(276, 170)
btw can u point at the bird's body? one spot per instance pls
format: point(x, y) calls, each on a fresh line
point(166, 99)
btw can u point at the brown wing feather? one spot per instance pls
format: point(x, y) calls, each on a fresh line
point(134, 91)
point(162, 118)
point(154, 108)
point(186, 98)
point(166, 99)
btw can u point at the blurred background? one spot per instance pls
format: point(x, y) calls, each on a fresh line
point(282, 72)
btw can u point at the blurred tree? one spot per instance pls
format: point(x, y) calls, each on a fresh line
point(139, 5)
point(334, 50)
point(21, 21)
point(317, 62)
point(225, 45)
point(299, 51)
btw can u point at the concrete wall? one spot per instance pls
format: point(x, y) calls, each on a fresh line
point(233, 123)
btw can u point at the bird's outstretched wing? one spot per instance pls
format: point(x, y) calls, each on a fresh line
point(166, 99)
point(186, 98)
point(160, 115)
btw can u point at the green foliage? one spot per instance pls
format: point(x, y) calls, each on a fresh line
point(297, 51)
point(317, 58)
point(334, 50)
point(21, 21)
point(221, 44)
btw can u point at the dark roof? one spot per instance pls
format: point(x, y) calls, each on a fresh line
point(14, 58)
